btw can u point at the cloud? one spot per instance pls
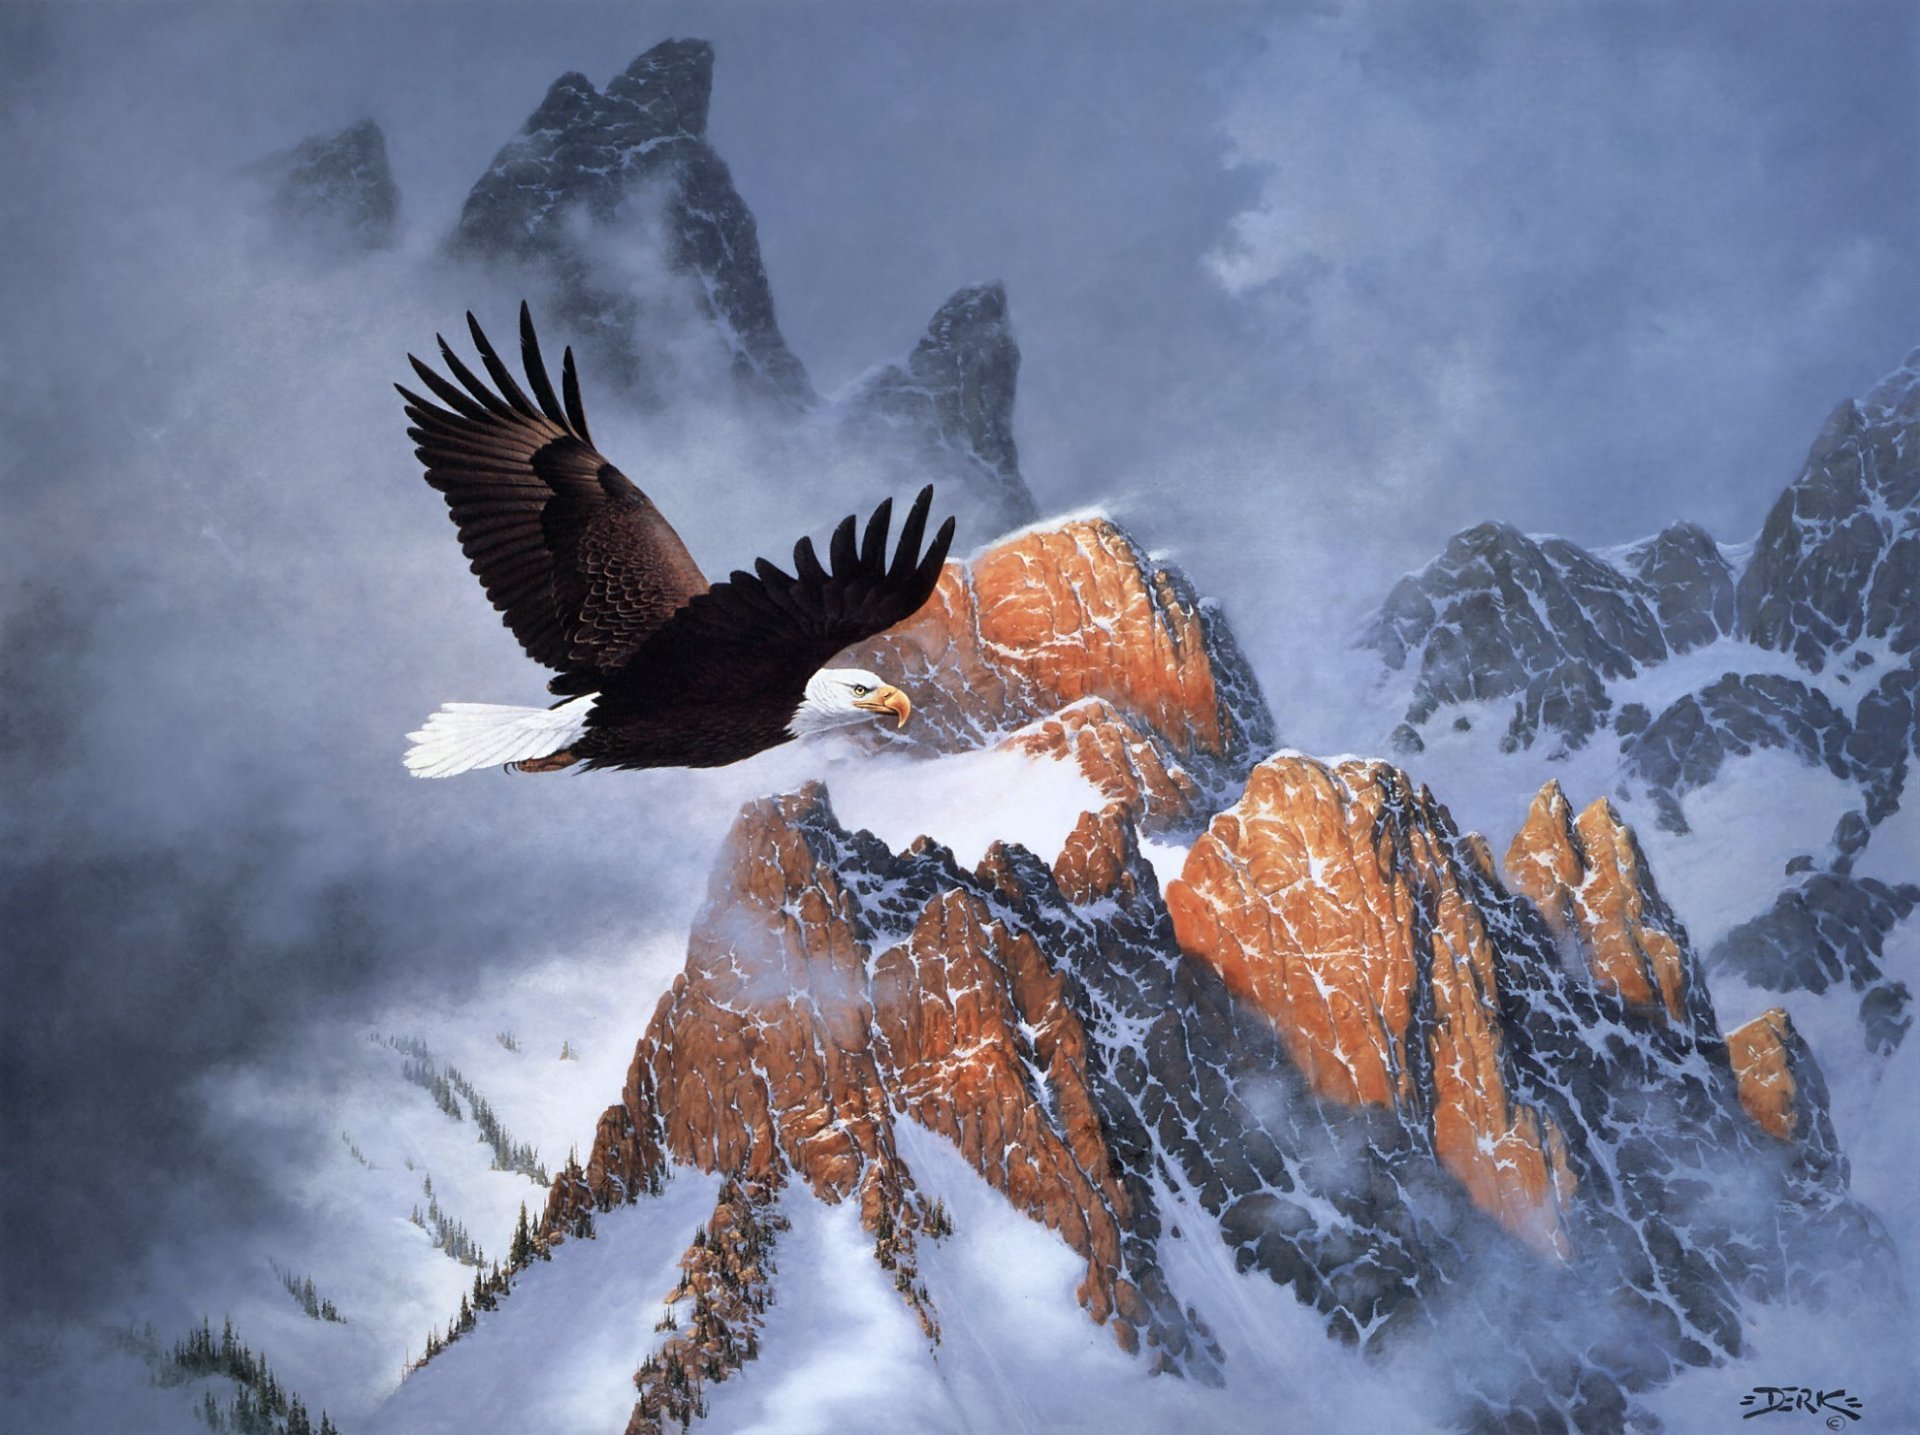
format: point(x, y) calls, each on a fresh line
point(1539, 258)
point(1588, 270)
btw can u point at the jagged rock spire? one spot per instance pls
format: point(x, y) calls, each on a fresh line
point(954, 395)
point(631, 168)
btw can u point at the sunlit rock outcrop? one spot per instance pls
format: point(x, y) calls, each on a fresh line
point(1592, 883)
point(1362, 1061)
point(1059, 615)
point(1783, 1089)
point(1334, 901)
point(833, 989)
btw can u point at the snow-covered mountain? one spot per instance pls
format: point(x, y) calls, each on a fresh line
point(1679, 674)
point(614, 205)
point(1250, 1063)
point(1079, 1057)
point(594, 172)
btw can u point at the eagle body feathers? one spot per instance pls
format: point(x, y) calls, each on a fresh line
point(659, 667)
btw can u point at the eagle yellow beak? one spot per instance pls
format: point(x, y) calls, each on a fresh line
point(887, 699)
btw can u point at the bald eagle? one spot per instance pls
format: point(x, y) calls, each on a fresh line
point(658, 668)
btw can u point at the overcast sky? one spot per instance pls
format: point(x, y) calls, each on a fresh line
point(1300, 291)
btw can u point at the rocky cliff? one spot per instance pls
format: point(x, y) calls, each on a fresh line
point(1503, 614)
point(336, 190)
point(1336, 1047)
point(629, 169)
point(1071, 639)
point(1592, 884)
point(1805, 643)
point(615, 202)
point(1837, 562)
point(1362, 1056)
point(951, 399)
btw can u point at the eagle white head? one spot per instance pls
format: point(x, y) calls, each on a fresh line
point(839, 696)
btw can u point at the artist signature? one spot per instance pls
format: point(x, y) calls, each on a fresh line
point(1782, 1399)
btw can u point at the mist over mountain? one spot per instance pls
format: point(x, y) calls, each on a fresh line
point(1666, 662)
point(1086, 1052)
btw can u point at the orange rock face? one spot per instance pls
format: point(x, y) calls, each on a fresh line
point(1761, 1053)
point(1592, 883)
point(796, 1036)
point(1127, 766)
point(724, 1289)
point(1048, 618)
point(1335, 901)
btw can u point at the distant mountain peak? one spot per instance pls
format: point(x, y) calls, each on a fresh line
point(598, 157)
point(954, 393)
point(337, 186)
point(1827, 589)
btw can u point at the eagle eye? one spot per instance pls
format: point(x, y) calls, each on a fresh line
point(860, 690)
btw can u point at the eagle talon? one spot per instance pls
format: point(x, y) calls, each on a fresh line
point(552, 762)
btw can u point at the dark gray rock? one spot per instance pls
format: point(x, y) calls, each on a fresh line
point(1497, 610)
point(1241, 709)
point(1690, 583)
point(1886, 1013)
point(1570, 701)
point(1850, 836)
point(1831, 929)
point(1632, 718)
point(952, 400)
point(1838, 559)
point(1886, 739)
point(337, 189)
point(1686, 745)
point(630, 169)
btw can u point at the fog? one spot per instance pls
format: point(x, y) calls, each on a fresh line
point(1299, 290)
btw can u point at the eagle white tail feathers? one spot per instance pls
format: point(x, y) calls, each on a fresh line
point(464, 736)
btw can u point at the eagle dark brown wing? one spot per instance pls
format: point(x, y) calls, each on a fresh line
point(582, 566)
point(753, 641)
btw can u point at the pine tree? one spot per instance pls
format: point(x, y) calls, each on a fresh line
point(521, 1251)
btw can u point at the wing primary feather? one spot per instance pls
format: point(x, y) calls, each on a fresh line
point(840, 548)
point(570, 386)
point(494, 404)
point(536, 368)
point(906, 557)
point(806, 563)
point(460, 403)
point(778, 588)
point(771, 573)
point(501, 375)
point(936, 555)
point(873, 547)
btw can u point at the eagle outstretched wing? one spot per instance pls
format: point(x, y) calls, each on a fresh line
point(756, 638)
point(582, 566)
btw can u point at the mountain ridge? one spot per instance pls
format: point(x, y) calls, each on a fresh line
point(1381, 1078)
